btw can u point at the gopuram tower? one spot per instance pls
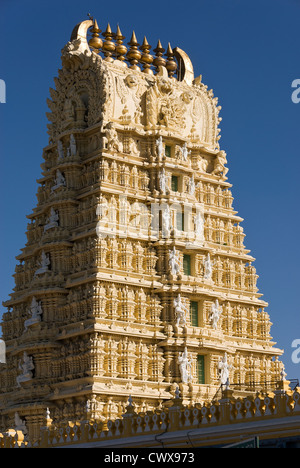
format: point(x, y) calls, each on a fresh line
point(134, 279)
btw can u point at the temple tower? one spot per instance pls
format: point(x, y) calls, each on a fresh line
point(135, 279)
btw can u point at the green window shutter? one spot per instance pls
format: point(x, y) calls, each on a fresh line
point(174, 183)
point(200, 369)
point(194, 313)
point(168, 151)
point(187, 265)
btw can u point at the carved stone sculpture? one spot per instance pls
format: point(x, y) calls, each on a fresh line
point(53, 220)
point(181, 311)
point(35, 312)
point(224, 368)
point(44, 264)
point(174, 262)
point(185, 366)
point(215, 313)
point(26, 367)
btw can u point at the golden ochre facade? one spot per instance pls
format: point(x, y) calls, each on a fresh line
point(135, 279)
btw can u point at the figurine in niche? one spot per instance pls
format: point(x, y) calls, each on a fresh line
point(184, 151)
point(162, 181)
point(53, 220)
point(110, 140)
point(60, 150)
point(181, 311)
point(59, 181)
point(219, 165)
point(20, 424)
point(224, 368)
point(36, 312)
point(185, 366)
point(174, 262)
point(192, 185)
point(208, 268)
point(73, 147)
point(160, 147)
point(215, 313)
point(26, 369)
point(2, 352)
point(199, 227)
point(166, 218)
point(44, 264)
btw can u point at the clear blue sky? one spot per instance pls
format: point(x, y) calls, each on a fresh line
point(246, 51)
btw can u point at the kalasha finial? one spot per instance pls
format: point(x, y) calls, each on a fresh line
point(120, 48)
point(95, 42)
point(146, 58)
point(159, 61)
point(133, 54)
point(108, 46)
point(171, 65)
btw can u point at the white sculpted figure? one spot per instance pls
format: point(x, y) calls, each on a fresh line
point(35, 311)
point(192, 185)
point(208, 268)
point(215, 313)
point(224, 368)
point(174, 262)
point(185, 366)
point(166, 216)
point(53, 220)
point(26, 369)
point(163, 180)
point(59, 181)
point(60, 150)
point(73, 148)
point(160, 147)
point(2, 352)
point(181, 311)
point(20, 424)
point(199, 227)
point(283, 374)
point(184, 151)
point(44, 264)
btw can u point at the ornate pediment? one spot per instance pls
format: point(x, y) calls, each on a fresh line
point(93, 89)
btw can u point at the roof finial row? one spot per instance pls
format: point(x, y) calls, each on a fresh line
point(113, 48)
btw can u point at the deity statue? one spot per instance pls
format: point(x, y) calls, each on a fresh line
point(219, 166)
point(184, 151)
point(59, 181)
point(73, 148)
point(192, 185)
point(160, 147)
point(215, 313)
point(2, 352)
point(199, 227)
point(53, 220)
point(26, 369)
point(20, 424)
point(60, 150)
point(174, 262)
point(185, 366)
point(208, 268)
point(181, 311)
point(111, 140)
point(162, 181)
point(44, 264)
point(166, 225)
point(224, 368)
point(36, 312)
